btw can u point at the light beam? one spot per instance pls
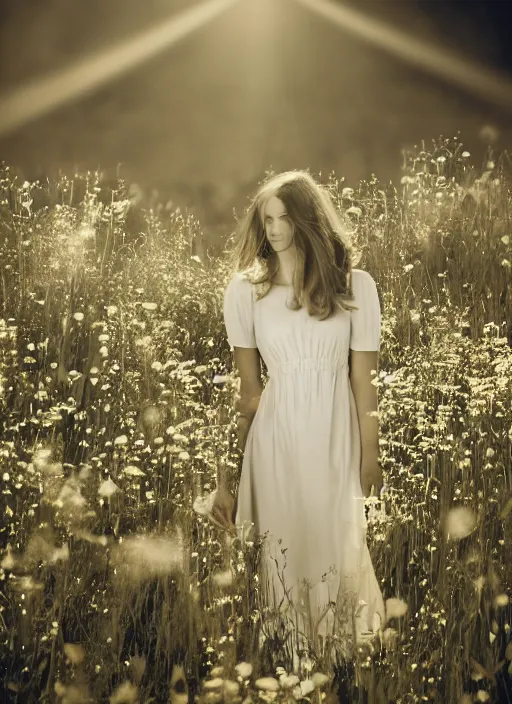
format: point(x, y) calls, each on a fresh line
point(47, 94)
point(487, 84)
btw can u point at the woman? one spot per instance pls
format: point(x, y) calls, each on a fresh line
point(309, 437)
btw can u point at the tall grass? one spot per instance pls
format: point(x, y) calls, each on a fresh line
point(116, 416)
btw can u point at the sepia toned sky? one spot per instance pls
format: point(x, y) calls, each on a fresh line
point(264, 84)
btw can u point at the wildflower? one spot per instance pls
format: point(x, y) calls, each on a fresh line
point(140, 557)
point(78, 316)
point(133, 471)
point(126, 693)
point(306, 687)
point(244, 670)
point(223, 579)
point(213, 684)
point(121, 440)
point(74, 653)
point(108, 488)
point(395, 608)
point(288, 681)
point(501, 600)
point(268, 684)
point(460, 522)
point(150, 306)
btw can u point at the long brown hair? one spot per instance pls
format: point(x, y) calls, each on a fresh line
point(325, 254)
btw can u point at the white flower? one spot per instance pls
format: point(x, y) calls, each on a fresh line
point(288, 681)
point(460, 522)
point(395, 608)
point(133, 471)
point(319, 679)
point(269, 684)
point(74, 653)
point(244, 669)
point(223, 579)
point(107, 488)
point(306, 687)
point(213, 684)
point(204, 504)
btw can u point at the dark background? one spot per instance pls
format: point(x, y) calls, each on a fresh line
point(267, 84)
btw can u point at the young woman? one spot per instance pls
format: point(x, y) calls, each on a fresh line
point(309, 437)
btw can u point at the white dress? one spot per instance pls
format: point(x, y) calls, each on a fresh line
point(300, 481)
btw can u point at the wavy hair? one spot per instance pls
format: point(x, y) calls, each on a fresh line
point(325, 255)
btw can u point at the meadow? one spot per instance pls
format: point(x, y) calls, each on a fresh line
point(117, 415)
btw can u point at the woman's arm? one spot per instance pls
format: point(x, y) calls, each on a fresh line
point(247, 362)
point(366, 398)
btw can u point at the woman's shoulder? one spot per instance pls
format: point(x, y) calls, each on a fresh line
point(362, 279)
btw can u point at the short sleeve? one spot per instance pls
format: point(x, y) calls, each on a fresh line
point(365, 323)
point(238, 313)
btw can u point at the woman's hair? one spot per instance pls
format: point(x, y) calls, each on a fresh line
point(325, 254)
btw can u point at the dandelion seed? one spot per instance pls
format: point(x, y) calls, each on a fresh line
point(108, 488)
point(306, 687)
point(354, 210)
point(223, 579)
point(395, 608)
point(74, 653)
point(142, 557)
point(319, 679)
point(479, 583)
point(126, 693)
point(501, 600)
point(61, 553)
point(268, 684)
point(288, 681)
point(133, 471)
point(460, 522)
point(204, 504)
point(231, 688)
point(157, 366)
point(213, 684)
point(465, 154)
point(138, 666)
point(8, 562)
point(244, 670)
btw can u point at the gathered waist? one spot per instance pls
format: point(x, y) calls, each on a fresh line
point(307, 364)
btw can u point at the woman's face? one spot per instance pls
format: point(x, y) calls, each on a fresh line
point(277, 224)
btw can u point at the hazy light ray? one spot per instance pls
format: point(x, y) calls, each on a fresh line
point(44, 95)
point(480, 81)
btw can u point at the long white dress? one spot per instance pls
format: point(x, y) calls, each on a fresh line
point(300, 481)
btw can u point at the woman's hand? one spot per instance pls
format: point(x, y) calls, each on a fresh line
point(371, 478)
point(222, 509)
point(243, 425)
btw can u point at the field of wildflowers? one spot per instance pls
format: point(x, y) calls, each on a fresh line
point(117, 399)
